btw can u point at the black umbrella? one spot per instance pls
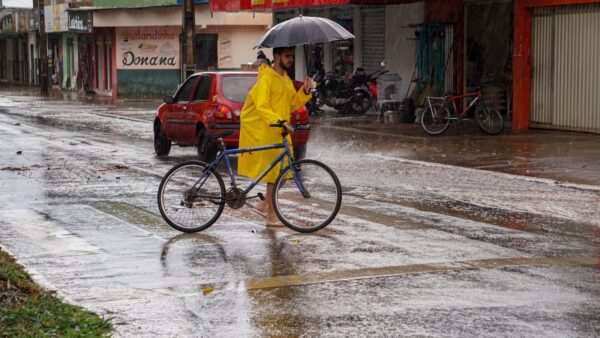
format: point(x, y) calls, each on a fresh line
point(303, 30)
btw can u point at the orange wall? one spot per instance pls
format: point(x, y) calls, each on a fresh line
point(522, 55)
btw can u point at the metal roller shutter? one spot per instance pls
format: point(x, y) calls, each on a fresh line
point(565, 44)
point(373, 44)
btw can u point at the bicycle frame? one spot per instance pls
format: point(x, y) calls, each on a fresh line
point(225, 153)
point(477, 96)
point(452, 99)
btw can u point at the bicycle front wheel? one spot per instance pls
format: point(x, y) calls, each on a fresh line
point(435, 121)
point(316, 209)
point(191, 197)
point(489, 119)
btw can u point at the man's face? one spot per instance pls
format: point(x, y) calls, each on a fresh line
point(286, 59)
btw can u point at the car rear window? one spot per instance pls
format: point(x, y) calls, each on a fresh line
point(236, 88)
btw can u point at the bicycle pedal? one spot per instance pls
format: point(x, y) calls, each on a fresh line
point(261, 196)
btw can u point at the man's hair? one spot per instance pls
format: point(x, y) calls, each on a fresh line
point(279, 50)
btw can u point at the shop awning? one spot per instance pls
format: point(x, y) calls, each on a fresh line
point(249, 5)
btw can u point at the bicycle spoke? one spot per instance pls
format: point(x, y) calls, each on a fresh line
point(435, 119)
point(191, 199)
point(306, 214)
point(489, 119)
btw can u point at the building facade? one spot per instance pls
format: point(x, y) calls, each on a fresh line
point(384, 30)
point(133, 47)
point(556, 70)
point(18, 45)
point(143, 42)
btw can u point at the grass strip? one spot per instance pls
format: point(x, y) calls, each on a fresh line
point(28, 310)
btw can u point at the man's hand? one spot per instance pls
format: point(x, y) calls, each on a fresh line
point(290, 128)
point(307, 84)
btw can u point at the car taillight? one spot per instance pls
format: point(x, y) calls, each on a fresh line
point(223, 113)
point(300, 114)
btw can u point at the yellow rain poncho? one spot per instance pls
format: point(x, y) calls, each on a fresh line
point(272, 98)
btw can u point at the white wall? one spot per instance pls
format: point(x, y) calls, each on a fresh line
point(242, 40)
point(400, 53)
point(139, 17)
point(204, 17)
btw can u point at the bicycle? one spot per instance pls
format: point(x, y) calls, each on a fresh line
point(440, 111)
point(307, 194)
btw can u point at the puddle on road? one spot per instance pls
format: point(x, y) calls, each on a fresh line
point(45, 231)
point(382, 218)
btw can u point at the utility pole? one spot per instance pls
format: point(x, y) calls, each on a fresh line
point(43, 51)
point(188, 28)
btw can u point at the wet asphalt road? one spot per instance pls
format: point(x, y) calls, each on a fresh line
point(419, 248)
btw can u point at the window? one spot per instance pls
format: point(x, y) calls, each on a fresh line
point(203, 89)
point(185, 91)
point(236, 88)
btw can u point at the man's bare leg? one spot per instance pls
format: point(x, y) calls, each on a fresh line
point(261, 206)
point(272, 218)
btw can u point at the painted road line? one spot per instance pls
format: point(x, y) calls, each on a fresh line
point(338, 276)
point(383, 272)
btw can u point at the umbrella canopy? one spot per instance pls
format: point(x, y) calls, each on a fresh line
point(303, 30)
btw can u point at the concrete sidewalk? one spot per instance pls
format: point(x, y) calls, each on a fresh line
point(562, 156)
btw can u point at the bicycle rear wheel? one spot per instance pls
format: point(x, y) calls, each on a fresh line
point(191, 197)
point(315, 211)
point(489, 119)
point(435, 121)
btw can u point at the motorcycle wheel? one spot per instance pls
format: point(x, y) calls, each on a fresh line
point(363, 105)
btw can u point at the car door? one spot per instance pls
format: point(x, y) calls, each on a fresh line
point(198, 106)
point(176, 121)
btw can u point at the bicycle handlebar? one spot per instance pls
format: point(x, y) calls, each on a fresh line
point(279, 123)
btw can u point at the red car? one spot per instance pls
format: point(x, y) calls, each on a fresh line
point(211, 102)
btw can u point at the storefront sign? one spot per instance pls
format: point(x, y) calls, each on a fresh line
point(237, 5)
point(200, 2)
point(148, 48)
point(57, 18)
point(80, 22)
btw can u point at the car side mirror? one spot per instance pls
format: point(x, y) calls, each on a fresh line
point(168, 99)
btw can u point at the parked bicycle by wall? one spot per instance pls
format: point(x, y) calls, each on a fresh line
point(441, 111)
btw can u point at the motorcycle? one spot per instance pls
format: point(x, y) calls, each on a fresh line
point(353, 97)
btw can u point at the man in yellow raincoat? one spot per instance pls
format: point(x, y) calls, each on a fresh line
point(272, 98)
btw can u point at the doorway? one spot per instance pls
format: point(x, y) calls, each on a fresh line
point(206, 51)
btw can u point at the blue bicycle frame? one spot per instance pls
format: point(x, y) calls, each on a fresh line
point(225, 153)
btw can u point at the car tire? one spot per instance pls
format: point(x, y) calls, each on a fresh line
point(299, 152)
point(162, 146)
point(207, 151)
